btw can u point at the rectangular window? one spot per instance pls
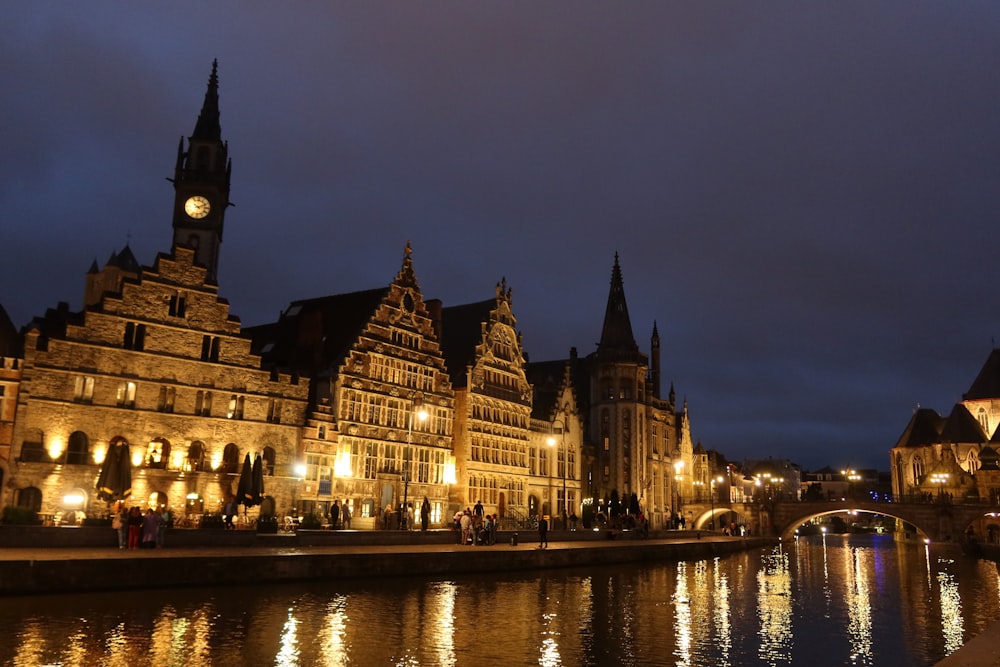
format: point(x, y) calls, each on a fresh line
point(126, 395)
point(83, 390)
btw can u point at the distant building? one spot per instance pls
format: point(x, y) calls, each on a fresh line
point(953, 457)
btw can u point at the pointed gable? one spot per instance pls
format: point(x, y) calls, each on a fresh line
point(208, 126)
point(961, 426)
point(987, 383)
point(924, 428)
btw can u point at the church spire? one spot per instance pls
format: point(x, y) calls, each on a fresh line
point(616, 337)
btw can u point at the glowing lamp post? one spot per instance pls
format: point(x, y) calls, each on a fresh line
point(711, 492)
point(564, 511)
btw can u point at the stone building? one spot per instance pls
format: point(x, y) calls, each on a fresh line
point(518, 461)
point(373, 399)
point(635, 441)
point(155, 360)
point(953, 457)
point(11, 361)
point(381, 426)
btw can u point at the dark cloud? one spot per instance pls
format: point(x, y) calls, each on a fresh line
point(802, 196)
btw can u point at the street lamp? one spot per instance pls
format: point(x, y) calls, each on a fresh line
point(552, 443)
point(711, 492)
point(939, 479)
point(421, 414)
point(851, 476)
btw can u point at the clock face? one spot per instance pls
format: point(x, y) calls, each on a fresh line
point(197, 207)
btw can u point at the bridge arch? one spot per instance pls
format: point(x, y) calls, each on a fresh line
point(934, 521)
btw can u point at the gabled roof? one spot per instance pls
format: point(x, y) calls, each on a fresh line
point(11, 343)
point(461, 333)
point(313, 335)
point(961, 426)
point(987, 383)
point(923, 429)
point(547, 380)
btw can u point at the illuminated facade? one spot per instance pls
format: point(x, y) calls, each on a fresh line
point(11, 361)
point(380, 433)
point(155, 360)
point(372, 399)
point(514, 461)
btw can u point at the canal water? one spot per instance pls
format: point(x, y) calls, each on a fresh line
point(823, 601)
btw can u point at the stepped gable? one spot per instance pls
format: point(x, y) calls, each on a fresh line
point(961, 426)
point(312, 336)
point(461, 333)
point(924, 428)
point(987, 383)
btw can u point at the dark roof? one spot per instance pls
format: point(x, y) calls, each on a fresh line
point(11, 342)
point(461, 331)
point(987, 383)
point(923, 429)
point(961, 426)
point(989, 459)
point(546, 378)
point(124, 260)
point(313, 335)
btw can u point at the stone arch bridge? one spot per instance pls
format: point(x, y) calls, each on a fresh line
point(936, 521)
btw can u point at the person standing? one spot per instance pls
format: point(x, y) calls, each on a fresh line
point(409, 516)
point(466, 526)
point(150, 528)
point(334, 515)
point(120, 525)
point(134, 527)
point(345, 516)
point(425, 514)
point(543, 532)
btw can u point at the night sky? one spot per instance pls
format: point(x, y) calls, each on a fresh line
point(803, 195)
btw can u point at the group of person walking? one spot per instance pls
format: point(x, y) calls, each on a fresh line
point(141, 530)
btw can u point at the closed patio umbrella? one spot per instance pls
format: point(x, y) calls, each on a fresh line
point(243, 489)
point(115, 479)
point(257, 482)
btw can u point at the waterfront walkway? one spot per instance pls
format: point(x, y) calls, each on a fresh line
point(28, 570)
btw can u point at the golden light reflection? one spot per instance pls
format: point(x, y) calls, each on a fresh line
point(774, 608)
point(334, 647)
point(682, 617)
point(440, 630)
point(289, 652)
point(859, 609)
point(549, 656)
point(952, 625)
point(723, 623)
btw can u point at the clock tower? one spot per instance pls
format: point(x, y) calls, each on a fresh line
point(201, 184)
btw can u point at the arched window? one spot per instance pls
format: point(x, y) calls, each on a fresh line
point(268, 460)
point(77, 449)
point(158, 453)
point(196, 456)
point(918, 469)
point(231, 458)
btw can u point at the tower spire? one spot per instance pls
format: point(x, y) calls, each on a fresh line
point(201, 184)
point(208, 127)
point(616, 336)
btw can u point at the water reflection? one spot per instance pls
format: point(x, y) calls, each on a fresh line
point(859, 609)
point(832, 601)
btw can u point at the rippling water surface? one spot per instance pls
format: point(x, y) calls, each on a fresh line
point(840, 601)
